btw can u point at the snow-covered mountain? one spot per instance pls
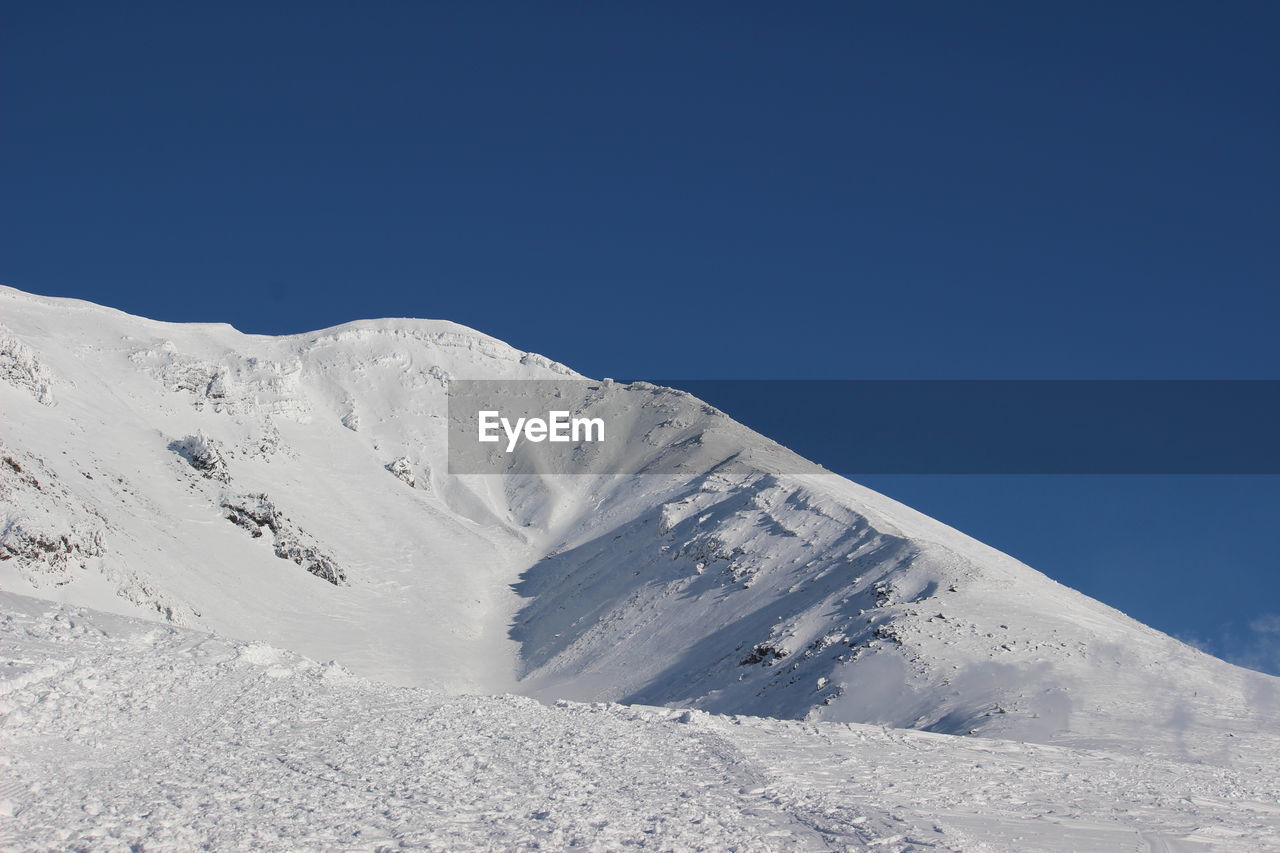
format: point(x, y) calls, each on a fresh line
point(294, 490)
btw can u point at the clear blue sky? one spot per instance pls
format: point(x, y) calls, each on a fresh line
point(712, 190)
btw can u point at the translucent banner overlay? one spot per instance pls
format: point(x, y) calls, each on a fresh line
point(870, 427)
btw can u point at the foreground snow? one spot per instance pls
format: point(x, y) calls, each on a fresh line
point(127, 734)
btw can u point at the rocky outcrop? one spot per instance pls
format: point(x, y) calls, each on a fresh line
point(20, 368)
point(203, 454)
point(258, 515)
point(402, 469)
point(46, 545)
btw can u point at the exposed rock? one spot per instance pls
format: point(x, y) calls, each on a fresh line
point(256, 513)
point(51, 544)
point(203, 454)
point(21, 369)
point(403, 470)
point(764, 653)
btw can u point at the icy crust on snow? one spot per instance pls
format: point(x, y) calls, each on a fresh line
point(739, 583)
point(122, 734)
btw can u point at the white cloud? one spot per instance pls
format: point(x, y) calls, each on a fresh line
point(1259, 648)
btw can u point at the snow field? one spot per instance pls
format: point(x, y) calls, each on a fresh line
point(120, 734)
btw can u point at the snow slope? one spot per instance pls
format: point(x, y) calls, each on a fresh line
point(293, 491)
point(124, 734)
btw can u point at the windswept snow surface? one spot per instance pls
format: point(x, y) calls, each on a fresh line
point(124, 734)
